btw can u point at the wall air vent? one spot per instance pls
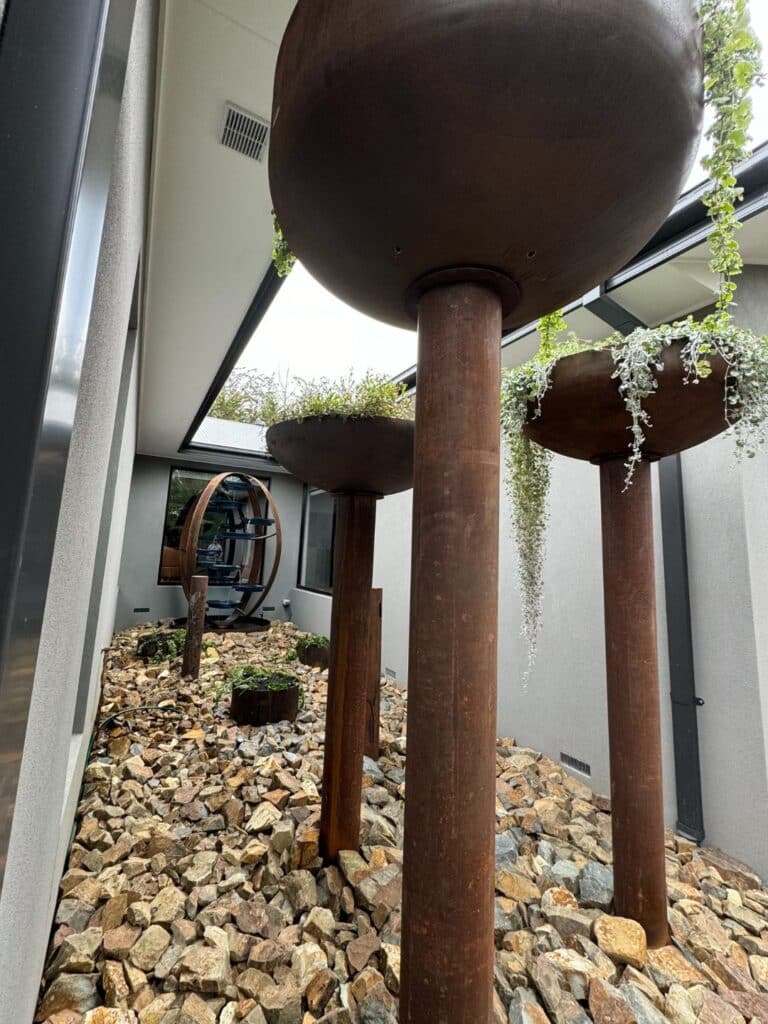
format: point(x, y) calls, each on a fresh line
point(244, 132)
point(575, 764)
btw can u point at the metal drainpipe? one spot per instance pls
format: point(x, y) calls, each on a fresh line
point(685, 731)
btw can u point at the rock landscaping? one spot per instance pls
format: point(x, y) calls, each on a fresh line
point(194, 893)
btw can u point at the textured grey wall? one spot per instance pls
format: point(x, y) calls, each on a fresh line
point(138, 587)
point(52, 757)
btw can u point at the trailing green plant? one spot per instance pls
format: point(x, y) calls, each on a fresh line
point(282, 256)
point(731, 68)
point(252, 397)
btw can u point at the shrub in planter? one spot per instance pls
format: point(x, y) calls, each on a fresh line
point(161, 645)
point(661, 389)
point(263, 694)
point(313, 650)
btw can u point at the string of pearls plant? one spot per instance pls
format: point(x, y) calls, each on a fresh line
point(731, 68)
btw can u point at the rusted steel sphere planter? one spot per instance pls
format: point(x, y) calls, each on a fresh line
point(584, 416)
point(417, 135)
point(358, 461)
point(431, 159)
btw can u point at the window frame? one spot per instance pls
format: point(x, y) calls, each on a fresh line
point(195, 467)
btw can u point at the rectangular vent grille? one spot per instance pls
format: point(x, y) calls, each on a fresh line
point(576, 764)
point(245, 133)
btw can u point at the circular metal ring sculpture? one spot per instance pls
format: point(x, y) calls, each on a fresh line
point(248, 584)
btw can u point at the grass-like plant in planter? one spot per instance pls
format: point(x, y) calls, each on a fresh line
point(161, 645)
point(313, 650)
point(264, 694)
point(623, 403)
point(353, 439)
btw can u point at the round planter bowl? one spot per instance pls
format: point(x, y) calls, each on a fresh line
point(372, 455)
point(518, 140)
point(316, 656)
point(584, 416)
point(260, 707)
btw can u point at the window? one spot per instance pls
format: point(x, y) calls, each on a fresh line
point(316, 562)
point(226, 512)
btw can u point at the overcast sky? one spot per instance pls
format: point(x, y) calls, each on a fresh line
point(309, 333)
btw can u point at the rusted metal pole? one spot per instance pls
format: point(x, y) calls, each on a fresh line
point(374, 677)
point(634, 717)
point(193, 644)
point(347, 708)
point(448, 949)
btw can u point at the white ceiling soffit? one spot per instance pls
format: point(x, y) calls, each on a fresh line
point(210, 229)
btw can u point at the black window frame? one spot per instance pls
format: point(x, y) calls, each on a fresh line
point(196, 467)
point(302, 541)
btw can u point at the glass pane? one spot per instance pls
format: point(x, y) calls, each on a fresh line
point(226, 514)
point(317, 550)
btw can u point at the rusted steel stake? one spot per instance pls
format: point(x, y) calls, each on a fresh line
point(347, 708)
point(448, 949)
point(193, 644)
point(634, 718)
point(374, 677)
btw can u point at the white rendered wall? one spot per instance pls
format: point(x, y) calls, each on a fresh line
point(49, 775)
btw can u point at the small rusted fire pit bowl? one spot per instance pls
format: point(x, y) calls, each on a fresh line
point(259, 704)
point(583, 414)
point(367, 455)
point(314, 655)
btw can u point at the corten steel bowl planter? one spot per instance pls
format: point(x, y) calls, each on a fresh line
point(541, 143)
point(365, 455)
point(260, 707)
point(583, 415)
point(358, 460)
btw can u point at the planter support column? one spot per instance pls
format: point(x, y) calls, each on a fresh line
point(348, 670)
point(448, 947)
point(637, 798)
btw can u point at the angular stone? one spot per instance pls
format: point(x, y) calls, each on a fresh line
point(759, 967)
point(168, 906)
point(516, 887)
point(378, 1006)
point(608, 1005)
point(622, 940)
point(642, 1007)
point(69, 992)
point(263, 818)
point(391, 966)
point(715, 1010)
point(77, 953)
point(307, 961)
point(282, 1004)
point(118, 943)
point(105, 1015)
point(360, 951)
point(574, 972)
point(320, 990)
point(204, 969)
point(678, 1006)
point(150, 947)
point(301, 889)
point(524, 1008)
point(596, 886)
point(667, 966)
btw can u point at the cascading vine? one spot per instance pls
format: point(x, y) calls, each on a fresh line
point(731, 68)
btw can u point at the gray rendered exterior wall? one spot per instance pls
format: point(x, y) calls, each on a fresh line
point(138, 586)
point(562, 709)
point(52, 760)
